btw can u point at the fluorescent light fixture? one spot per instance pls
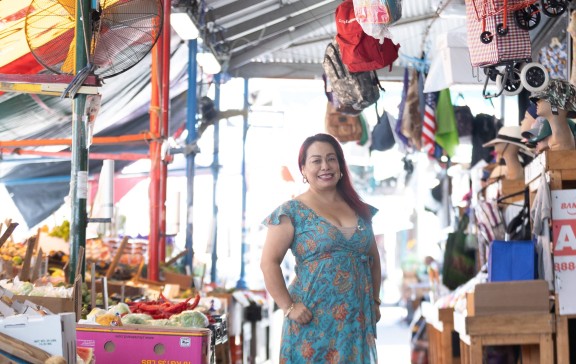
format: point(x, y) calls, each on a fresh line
point(209, 63)
point(183, 25)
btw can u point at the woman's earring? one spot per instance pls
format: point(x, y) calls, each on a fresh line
point(341, 175)
point(304, 179)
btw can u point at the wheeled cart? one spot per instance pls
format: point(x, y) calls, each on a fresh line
point(499, 42)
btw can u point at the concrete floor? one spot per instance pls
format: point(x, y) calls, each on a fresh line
point(393, 336)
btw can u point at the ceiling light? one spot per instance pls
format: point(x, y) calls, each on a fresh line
point(183, 25)
point(209, 63)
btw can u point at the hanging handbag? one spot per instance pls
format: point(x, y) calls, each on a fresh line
point(459, 262)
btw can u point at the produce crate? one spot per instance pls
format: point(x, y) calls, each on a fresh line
point(145, 344)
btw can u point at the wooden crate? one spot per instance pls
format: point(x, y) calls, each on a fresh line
point(440, 326)
point(562, 337)
point(559, 166)
point(532, 331)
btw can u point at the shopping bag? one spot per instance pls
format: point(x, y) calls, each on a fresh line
point(513, 260)
point(459, 262)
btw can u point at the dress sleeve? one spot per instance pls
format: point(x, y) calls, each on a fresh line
point(274, 217)
point(373, 210)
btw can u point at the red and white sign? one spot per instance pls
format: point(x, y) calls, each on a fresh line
point(564, 248)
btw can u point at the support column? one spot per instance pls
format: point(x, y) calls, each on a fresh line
point(165, 127)
point(192, 102)
point(215, 171)
point(155, 147)
point(79, 162)
point(241, 284)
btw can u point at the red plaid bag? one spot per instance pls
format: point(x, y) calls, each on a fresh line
point(515, 45)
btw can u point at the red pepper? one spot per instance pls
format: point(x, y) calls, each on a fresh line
point(195, 303)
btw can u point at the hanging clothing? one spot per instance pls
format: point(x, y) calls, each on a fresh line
point(333, 280)
point(541, 214)
point(572, 30)
point(555, 59)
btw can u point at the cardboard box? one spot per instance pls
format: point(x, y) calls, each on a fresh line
point(509, 297)
point(54, 304)
point(145, 344)
point(55, 334)
point(184, 281)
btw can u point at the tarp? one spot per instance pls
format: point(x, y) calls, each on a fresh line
point(124, 111)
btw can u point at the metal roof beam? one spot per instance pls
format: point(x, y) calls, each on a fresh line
point(231, 8)
point(300, 71)
point(278, 43)
point(272, 17)
point(295, 21)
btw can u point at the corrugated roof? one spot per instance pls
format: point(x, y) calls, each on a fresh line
point(289, 38)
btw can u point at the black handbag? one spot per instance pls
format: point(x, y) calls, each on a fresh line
point(382, 134)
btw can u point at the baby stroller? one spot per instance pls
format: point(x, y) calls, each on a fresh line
point(506, 57)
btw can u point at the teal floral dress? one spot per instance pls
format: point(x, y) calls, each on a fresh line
point(333, 280)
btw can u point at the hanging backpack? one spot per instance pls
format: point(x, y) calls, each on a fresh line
point(350, 91)
point(361, 52)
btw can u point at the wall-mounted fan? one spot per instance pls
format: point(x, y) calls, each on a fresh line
point(123, 32)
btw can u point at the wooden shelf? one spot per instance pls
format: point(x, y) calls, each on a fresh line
point(440, 326)
point(532, 331)
point(506, 187)
point(560, 166)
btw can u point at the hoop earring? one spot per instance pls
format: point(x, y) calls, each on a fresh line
point(304, 179)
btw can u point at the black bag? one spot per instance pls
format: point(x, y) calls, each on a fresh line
point(356, 90)
point(519, 227)
point(459, 262)
point(382, 134)
point(464, 120)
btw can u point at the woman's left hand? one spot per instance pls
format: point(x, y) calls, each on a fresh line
point(377, 311)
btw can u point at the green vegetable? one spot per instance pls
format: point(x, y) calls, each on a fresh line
point(191, 319)
point(136, 319)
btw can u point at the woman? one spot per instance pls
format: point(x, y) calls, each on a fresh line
point(332, 306)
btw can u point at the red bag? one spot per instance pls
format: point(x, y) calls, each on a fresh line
point(361, 52)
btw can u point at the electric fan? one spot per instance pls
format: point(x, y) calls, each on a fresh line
point(123, 32)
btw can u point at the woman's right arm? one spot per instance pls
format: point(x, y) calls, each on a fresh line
point(278, 241)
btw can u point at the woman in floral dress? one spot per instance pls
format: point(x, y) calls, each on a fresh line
point(332, 306)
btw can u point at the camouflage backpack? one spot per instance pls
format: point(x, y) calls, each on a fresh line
point(353, 92)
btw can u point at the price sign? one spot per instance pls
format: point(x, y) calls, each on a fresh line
point(564, 240)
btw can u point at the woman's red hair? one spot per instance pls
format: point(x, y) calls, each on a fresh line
point(344, 185)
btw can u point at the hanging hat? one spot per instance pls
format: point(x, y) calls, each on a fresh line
point(544, 131)
point(507, 134)
point(560, 94)
point(532, 132)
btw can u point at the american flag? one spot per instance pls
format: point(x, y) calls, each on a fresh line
point(429, 124)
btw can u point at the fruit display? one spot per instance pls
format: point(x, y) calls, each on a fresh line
point(102, 251)
point(61, 231)
point(13, 252)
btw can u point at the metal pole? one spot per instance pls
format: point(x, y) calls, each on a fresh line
point(79, 162)
point(164, 127)
point(241, 284)
point(155, 147)
point(190, 157)
point(215, 170)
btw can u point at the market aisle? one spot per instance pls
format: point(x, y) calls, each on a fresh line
point(393, 336)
